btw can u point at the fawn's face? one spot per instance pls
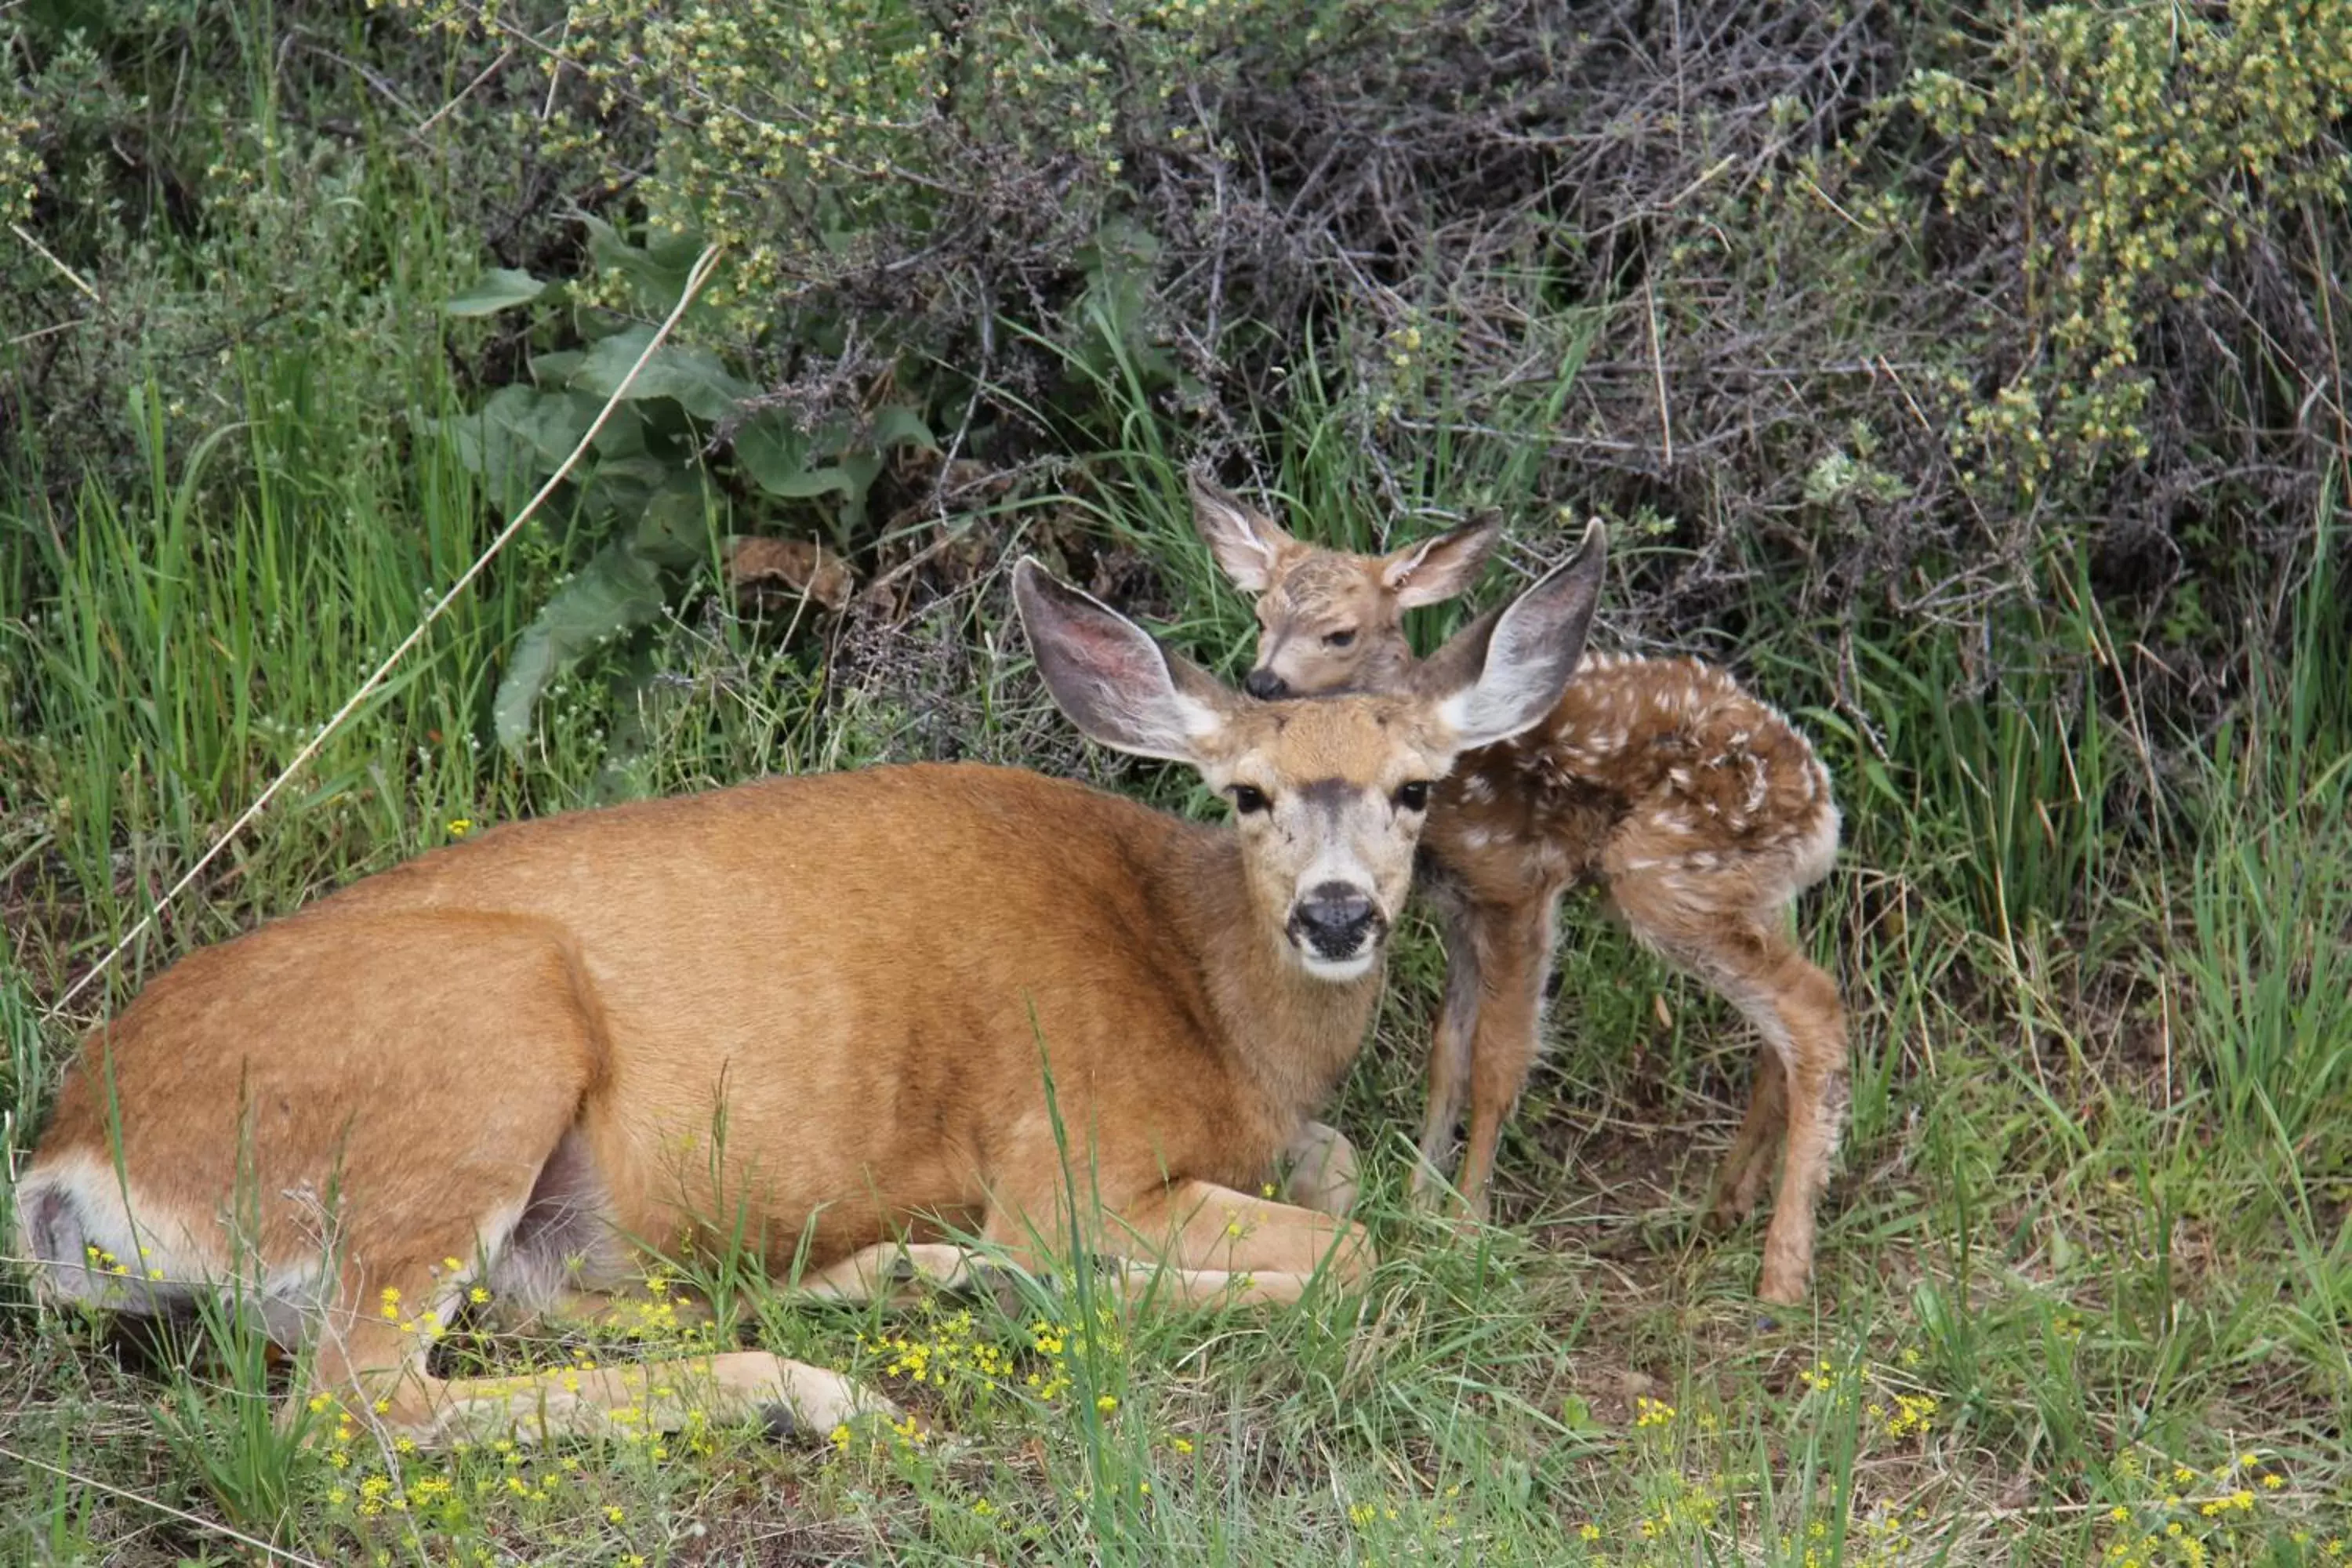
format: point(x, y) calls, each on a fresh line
point(1329, 796)
point(1330, 620)
point(1326, 623)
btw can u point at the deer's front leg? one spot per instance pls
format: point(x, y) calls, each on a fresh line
point(1319, 1170)
point(1204, 1244)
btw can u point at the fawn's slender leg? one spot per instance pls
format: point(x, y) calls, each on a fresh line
point(1795, 1006)
point(1806, 1001)
point(1740, 1180)
point(1515, 941)
point(1710, 922)
point(1449, 1043)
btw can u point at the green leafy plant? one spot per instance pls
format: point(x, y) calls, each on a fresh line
point(650, 501)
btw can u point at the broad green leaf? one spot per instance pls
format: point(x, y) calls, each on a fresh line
point(810, 482)
point(500, 289)
point(551, 424)
point(1117, 305)
point(770, 451)
point(657, 271)
point(674, 527)
point(499, 442)
point(900, 425)
point(625, 487)
point(617, 590)
point(693, 376)
point(552, 370)
point(861, 470)
point(624, 434)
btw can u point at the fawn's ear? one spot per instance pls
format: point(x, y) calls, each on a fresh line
point(1118, 685)
point(1248, 544)
point(1440, 568)
point(1503, 672)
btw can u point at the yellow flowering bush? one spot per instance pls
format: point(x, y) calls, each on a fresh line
point(827, 142)
point(2132, 148)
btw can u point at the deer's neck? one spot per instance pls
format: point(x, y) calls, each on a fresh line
point(1287, 1036)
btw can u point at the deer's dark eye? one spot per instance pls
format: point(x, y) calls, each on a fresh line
point(1413, 796)
point(1248, 799)
point(1339, 639)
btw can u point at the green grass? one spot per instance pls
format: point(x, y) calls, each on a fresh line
point(2088, 1233)
point(2086, 1253)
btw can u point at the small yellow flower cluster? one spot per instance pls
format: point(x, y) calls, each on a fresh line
point(949, 1357)
point(1896, 1411)
point(1913, 1414)
point(1419, 1514)
point(100, 1261)
point(386, 1492)
point(427, 1321)
point(2163, 1522)
point(662, 1317)
point(1820, 1378)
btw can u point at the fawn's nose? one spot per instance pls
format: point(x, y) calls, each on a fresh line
point(1335, 920)
point(1264, 685)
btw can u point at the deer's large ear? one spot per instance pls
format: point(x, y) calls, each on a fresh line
point(1247, 544)
point(1118, 685)
point(1502, 673)
point(1440, 568)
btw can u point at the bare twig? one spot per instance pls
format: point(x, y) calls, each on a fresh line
point(71, 277)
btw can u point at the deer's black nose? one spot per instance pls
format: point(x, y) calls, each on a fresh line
point(1334, 919)
point(1265, 685)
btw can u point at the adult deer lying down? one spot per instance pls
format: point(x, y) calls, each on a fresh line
point(509, 1052)
point(1699, 811)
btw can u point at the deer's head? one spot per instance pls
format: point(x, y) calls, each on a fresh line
point(1329, 796)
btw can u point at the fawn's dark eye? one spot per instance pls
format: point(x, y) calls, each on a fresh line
point(1339, 639)
point(1413, 796)
point(1247, 798)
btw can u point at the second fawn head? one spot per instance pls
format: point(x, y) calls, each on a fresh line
point(1327, 620)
